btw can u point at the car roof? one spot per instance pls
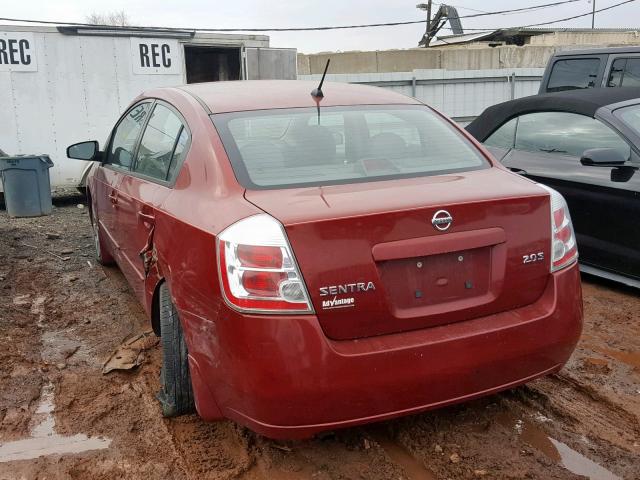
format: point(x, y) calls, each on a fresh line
point(242, 95)
point(584, 102)
point(598, 51)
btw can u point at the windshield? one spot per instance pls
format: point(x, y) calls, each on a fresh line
point(292, 147)
point(630, 116)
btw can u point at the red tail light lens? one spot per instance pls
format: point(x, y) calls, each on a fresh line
point(564, 250)
point(259, 256)
point(263, 284)
point(258, 271)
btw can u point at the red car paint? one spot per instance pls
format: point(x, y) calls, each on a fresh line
point(290, 376)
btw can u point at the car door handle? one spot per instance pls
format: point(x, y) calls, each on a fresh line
point(146, 217)
point(114, 198)
point(519, 171)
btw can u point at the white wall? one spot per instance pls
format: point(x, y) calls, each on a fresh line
point(77, 87)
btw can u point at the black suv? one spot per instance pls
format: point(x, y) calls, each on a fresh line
point(593, 68)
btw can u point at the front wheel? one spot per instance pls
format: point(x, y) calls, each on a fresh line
point(176, 394)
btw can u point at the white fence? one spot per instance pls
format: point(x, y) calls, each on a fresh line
point(462, 94)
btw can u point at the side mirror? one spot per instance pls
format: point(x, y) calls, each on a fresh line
point(602, 157)
point(89, 151)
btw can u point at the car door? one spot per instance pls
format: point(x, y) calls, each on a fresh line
point(118, 161)
point(547, 148)
point(142, 191)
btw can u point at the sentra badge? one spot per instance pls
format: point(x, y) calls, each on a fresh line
point(346, 288)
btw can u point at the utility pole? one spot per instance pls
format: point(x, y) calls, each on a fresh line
point(593, 15)
point(428, 18)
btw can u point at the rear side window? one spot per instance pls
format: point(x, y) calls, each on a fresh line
point(163, 144)
point(126, 135)
point(504, 137)
point(625, 72)
point(573, 74)
point(565, 133)
point(285, 148)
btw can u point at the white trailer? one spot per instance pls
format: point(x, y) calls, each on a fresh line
point(61, 85)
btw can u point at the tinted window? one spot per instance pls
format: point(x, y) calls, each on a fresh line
point(625, 72)
point(565, 134)
point(126, 134)
point(504, 137)
point(158, 142)
point(632, 73)
point(278, 148)
point(573, 74)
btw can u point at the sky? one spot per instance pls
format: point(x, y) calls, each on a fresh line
point(304, 13)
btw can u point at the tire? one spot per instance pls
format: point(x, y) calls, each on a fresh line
point(176, 394)
point(102, 254)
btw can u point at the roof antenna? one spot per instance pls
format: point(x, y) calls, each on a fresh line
point(317, 93)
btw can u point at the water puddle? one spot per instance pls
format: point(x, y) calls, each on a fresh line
point(555, 450)
point(413, 468)
point(44, 440)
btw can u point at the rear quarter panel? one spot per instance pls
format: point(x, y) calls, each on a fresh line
point(205, 200)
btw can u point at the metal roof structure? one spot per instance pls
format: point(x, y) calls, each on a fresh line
point(516, 35)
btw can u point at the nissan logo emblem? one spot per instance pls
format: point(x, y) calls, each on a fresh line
point(442, 220)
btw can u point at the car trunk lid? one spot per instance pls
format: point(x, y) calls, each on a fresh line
point(375, 261)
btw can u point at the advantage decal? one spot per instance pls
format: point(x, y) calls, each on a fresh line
point(338, 303)
point(345, 288)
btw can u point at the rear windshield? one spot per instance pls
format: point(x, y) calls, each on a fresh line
point(293, 147)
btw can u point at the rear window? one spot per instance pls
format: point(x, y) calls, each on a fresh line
point(573, 74)
point(293, 147)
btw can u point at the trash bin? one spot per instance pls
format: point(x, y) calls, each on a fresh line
point(27, 189)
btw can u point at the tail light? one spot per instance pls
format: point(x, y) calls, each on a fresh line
point(564, 250)
point(258, 272)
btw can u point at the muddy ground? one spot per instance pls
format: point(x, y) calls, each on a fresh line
point(61, 316)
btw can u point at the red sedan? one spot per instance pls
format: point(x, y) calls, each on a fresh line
point(311, 265)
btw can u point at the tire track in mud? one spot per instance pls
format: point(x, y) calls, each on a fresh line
point(223, 450)
point(584, 406)
point(587, 421)
point(210, 451)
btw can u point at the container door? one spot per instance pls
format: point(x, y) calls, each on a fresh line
point(270, 64)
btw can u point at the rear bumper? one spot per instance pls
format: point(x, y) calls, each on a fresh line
point(283, 378)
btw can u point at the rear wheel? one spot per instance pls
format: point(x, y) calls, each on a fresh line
point(102, 254)
point(176, 394)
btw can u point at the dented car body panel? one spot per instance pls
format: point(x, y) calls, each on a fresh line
point(402, 316)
